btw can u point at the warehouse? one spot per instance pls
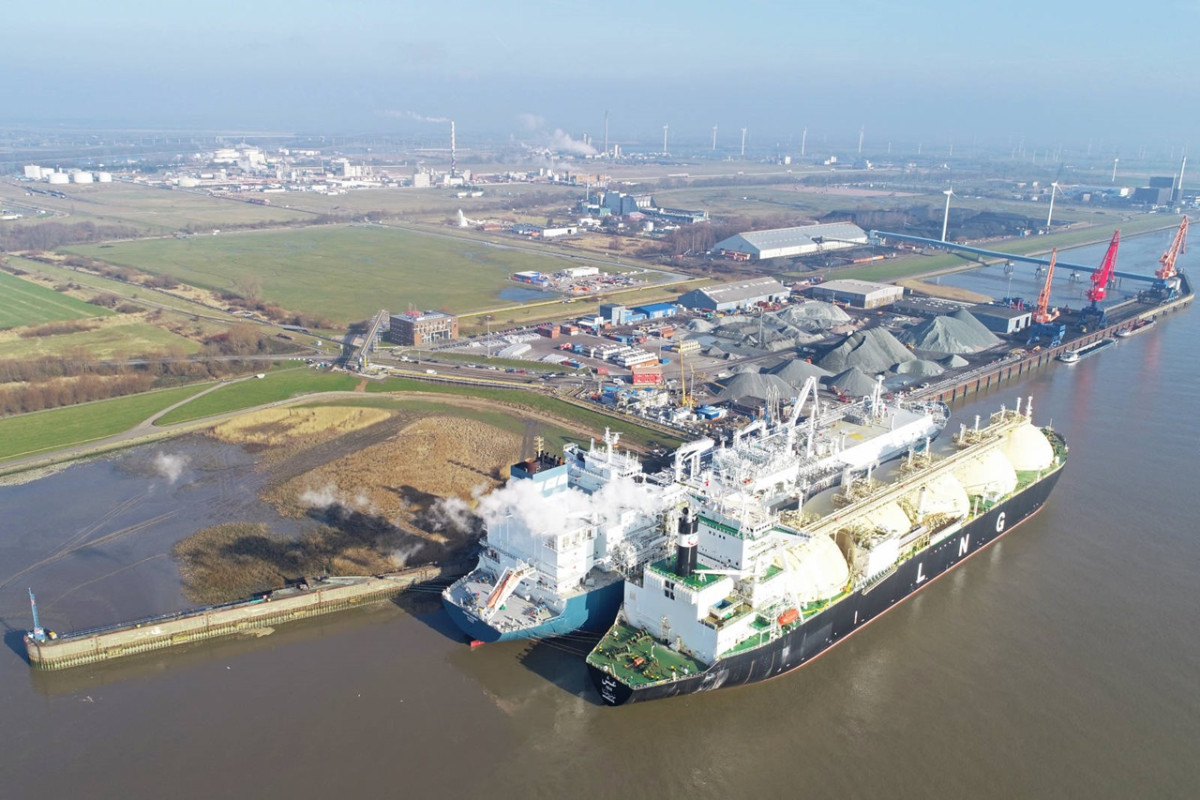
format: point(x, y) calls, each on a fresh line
point(423, 327)
point(732, 296)
point(856, 293)
point(1002, 319)
point(785, 242)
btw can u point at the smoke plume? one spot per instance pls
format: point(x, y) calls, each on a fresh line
point(170, 466)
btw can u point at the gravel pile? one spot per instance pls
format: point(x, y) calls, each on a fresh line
point(797, 371)
point(953, 362)
point(853, 382)
point(750, 384)
point(873, 351)
point(812, 315)
point(920, 368)
point(959, 332)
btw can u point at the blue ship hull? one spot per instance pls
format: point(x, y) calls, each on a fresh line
point(593, 611)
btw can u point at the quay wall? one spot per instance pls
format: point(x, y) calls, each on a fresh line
point(78, 649)
point(991, 375)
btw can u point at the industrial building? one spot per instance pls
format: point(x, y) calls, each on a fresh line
point(856, 293)
point(423, 327)
point(577, 272)
point(1002, 319)
point(785, 242)
point(535, 278)
point(732, 296)
point(657, 310)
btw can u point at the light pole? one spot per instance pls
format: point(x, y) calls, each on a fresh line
point(946, 219)
point(1053, 189)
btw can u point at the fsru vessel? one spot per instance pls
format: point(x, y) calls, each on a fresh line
point(749, 595)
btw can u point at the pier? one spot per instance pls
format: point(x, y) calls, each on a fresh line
point(63, 651)
point(985, 377)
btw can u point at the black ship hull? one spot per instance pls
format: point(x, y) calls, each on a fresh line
point(834, 624)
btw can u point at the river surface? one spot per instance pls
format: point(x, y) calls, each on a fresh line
point(1060, 662)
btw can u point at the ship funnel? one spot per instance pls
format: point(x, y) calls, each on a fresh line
point(686, 544)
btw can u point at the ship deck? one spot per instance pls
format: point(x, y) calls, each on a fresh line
point(636, 659)
point(471, 594)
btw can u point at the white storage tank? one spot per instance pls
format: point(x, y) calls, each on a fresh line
point(81, 177)
point(33, 171)
point(59, 178)
point(104, 177)
point(1028, 449)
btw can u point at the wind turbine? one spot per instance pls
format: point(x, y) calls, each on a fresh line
point(1053, 189)
point(946, 219)
point(1114, 175)
point(714, 147)
point(665, 127)
point(743, 142)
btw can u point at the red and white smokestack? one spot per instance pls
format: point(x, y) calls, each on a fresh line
point(687, 544)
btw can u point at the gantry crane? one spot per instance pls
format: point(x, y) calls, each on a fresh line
point(1166, 283)
point(1044, 325)
point(1101, 279)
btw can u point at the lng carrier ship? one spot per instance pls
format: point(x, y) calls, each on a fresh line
point(750, 594)
point(566, 532)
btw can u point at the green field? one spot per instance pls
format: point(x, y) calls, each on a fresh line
point(346, 273)
point(275, 386)
point(115, 339)
point(431, 205)
point(42, 431)
point(150, 209)
point(26, 303)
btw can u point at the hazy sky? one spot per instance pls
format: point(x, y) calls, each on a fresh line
point(1118, 74)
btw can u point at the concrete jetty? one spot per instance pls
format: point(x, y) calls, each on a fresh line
point(63, 651)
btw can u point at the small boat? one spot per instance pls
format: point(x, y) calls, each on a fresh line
point(1138, 327)
point(1072, 356)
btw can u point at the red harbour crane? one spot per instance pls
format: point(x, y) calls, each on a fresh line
point(1101, 279)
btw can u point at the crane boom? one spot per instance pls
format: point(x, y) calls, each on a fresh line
point(1178, 245)
point(1042, 313)
point(1103, 276)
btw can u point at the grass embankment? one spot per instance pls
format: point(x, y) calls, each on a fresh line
point(551, 406)
point(26, 303)
point(43, 431)
point(343, 272)
point(96, 284)
point(274, 387)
